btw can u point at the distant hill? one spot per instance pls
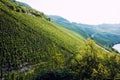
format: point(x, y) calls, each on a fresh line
point(109, 28)
point(23, 4)
point(104, 34)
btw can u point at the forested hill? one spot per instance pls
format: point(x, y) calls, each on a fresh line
point(32, 47)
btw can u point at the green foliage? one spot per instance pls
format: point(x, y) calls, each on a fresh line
point(92, 66)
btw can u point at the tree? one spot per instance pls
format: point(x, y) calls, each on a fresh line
point(57, 61)
point(100, 73)
point(113, 64)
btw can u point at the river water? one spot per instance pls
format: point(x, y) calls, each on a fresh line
point(117, 47)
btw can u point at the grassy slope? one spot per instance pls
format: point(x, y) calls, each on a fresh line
point(29, 39)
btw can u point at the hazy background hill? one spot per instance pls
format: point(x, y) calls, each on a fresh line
point(109, 28)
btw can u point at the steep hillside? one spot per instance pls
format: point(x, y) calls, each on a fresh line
point(28, 37)
point(32, 47)
point(105, 34)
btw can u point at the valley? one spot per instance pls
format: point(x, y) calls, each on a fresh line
point(34, 46)
point(105, 35)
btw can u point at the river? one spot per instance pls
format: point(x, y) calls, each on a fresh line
point(117, 47)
